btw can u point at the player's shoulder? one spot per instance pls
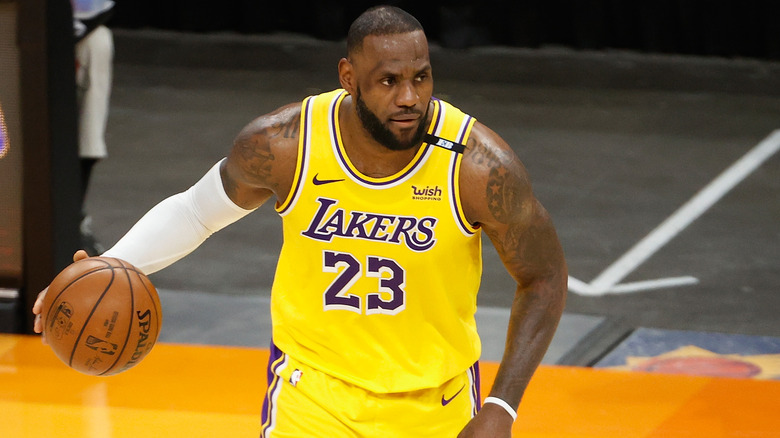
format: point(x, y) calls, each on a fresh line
point(278, 126)
point(491, 174)
point(486, 150)
point(264, 153)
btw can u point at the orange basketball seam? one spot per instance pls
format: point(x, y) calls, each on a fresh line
point(108, 266)
point(130, 321)
point(89, 317)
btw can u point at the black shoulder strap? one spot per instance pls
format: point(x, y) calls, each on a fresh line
point(446, 144)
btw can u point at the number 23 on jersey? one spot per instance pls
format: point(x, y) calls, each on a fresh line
point(390, 297)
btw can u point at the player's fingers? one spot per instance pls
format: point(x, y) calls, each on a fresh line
point(38, 324)
point(38, 306)
point(80, 255)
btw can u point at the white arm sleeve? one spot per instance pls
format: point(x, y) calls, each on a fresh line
point(179, 224)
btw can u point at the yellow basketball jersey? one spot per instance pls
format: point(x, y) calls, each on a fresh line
point(377, 278)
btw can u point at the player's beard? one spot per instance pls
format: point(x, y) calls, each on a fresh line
point(382, 134)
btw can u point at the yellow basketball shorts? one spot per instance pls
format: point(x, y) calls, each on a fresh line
point(304, 402)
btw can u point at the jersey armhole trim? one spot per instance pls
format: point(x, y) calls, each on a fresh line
point(302, 160)
point(460, 217)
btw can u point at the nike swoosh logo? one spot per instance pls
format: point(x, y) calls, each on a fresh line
point(319, 182)
point(446, 401)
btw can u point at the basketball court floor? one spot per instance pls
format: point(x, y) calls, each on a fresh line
point(661, 174)
point(189, 391)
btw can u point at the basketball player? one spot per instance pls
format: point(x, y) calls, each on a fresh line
point(384, 192)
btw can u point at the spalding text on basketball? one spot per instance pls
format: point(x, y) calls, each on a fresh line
point(144, 325)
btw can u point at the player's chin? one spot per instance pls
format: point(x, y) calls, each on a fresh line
point(409, 136)
point(405, 144)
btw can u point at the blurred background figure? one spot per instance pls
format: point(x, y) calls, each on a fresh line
point(94, 61)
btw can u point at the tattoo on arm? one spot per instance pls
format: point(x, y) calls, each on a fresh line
point(521, 228)
point(287, 129)
point(523, 234)
point(529, 250)
point(256, 156)
point(255, 152)
point(481, 155)
point(503, 194)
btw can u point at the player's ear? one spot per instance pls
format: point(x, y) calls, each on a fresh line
point(347, 76)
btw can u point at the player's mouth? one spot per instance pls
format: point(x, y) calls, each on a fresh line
point(405, 120)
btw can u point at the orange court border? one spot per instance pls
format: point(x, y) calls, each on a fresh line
point(211, 391)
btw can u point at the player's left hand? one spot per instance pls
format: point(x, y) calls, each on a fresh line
point(491, 422)
point(38, 305)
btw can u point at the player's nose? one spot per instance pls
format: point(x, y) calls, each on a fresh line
point(407, 95)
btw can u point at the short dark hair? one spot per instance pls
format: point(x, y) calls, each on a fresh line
point(379, 20)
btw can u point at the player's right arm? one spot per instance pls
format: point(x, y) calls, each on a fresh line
point(262, 161)
point(261, 164)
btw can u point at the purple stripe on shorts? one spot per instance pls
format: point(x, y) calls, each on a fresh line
point(273, 363)
point(475, 390)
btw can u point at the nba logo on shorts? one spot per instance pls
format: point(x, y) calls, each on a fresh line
point(295, 377)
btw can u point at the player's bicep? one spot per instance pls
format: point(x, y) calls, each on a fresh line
point(498, 196)
point(262, 160)
point(528, 245)
point(243, 175)
point(494, 185)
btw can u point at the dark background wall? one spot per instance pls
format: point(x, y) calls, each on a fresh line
point(725, 28)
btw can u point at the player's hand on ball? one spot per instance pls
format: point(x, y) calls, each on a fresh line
point(100, 315)
point(38, 306)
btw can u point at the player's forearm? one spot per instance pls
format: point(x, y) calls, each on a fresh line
point(161, 237)
point(178, 225)
point(536, 311)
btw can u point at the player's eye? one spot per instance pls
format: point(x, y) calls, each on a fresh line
point(388, 81)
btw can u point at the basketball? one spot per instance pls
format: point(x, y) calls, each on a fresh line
point(101, 316)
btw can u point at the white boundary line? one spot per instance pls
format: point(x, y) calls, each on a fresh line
point(608, 280)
